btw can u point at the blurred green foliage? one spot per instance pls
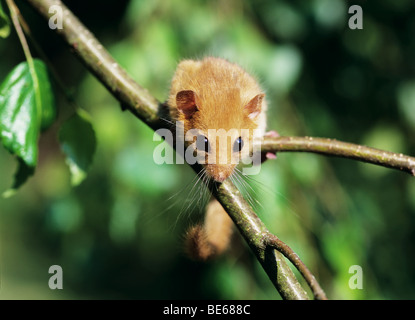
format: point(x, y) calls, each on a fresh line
point(118, 234)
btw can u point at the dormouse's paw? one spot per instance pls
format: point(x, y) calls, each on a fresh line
point(270, 155)
point(272, 134)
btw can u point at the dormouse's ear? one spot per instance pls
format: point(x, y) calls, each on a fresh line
point(253, 108)
point(186, 102)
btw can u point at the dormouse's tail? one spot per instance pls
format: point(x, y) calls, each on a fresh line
point(204, 242)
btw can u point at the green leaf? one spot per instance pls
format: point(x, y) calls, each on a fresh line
point(78, 142)
point(4, 23)
point(47, 97)
point(20, 117)
point(24, 111)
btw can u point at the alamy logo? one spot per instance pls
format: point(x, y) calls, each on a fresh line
point(209, 147)
point(356, 280)
point(56, 280)
point(56, 20)
point(356, 20)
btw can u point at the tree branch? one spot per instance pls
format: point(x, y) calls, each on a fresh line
point(136, 99)
point(144, 106)
point(263, 244)
point(331, 147)
point(97, 59)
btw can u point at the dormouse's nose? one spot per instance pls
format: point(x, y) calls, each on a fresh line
point(220, 172)
point(221, 176)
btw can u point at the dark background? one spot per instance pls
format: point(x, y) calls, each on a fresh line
point(119, 233)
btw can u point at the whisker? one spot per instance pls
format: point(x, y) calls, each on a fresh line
point(205, 188)
point(237, 181)
point(185, 205)
point(199, 194)
point(191, 198)
point(169, 121)
point(270, 191)
point(245, 188)
point(242, 177)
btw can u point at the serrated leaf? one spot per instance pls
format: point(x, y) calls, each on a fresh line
point(4, 23)
point(21, 116)
point(78, 142)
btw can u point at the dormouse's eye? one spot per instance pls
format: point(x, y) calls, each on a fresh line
point(202, 143)
point(238, 145)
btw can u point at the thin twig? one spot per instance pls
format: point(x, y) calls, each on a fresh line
point(35, 80)
point(331, 147)
point(101, 64)
point(273, 241)
point(37, 48)
point(256, 234)
point(14, 15)
point(147, 108)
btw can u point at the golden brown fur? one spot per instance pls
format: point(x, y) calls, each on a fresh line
point(205, 241)
point(216, 94)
